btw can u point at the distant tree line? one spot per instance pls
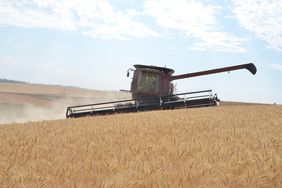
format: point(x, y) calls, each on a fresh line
point(12, 81)
point(3, 80)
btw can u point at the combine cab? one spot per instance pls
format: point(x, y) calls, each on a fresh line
point(152, 89)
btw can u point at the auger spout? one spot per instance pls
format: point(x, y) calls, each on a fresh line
point(250, 67)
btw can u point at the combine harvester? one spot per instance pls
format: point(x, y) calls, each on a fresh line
point(152, 89)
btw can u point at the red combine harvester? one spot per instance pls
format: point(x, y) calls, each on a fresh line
point(152, 89)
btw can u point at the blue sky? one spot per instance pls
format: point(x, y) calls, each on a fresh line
point(91, 44)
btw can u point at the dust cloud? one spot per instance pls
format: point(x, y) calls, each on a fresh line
point(29, 112)
point(54, 110)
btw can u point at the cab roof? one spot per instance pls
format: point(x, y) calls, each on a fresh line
point(162, 69)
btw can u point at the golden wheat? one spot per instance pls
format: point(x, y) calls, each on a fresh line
point(230, 146)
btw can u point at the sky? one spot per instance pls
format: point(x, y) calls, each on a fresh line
point(92, 43)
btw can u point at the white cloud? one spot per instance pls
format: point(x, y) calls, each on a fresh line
point(34, 14)
point(263, 18)
point(219, 41)
point(95, 18)
point(277, 67)
point(20, 46)
point(87, 59)
point(99, 19)
point(195, 20)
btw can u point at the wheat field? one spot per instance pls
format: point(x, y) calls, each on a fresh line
point(225, 146)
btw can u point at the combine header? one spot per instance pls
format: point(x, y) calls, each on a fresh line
point(152, 89)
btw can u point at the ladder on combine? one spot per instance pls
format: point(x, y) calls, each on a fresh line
point(183, 100)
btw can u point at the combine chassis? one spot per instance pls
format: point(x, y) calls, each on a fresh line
point(183, 100)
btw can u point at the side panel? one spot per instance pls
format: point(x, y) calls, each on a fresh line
point(166, 85)
point(134, 81)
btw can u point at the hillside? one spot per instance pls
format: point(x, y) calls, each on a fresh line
point(224, 146)
point(27, 102)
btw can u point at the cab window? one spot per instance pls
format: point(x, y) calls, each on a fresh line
point(148, 81)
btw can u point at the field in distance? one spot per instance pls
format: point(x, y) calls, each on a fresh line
point(28, 102)
point(224, 146)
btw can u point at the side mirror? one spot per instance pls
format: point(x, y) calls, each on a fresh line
point(128, 73)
